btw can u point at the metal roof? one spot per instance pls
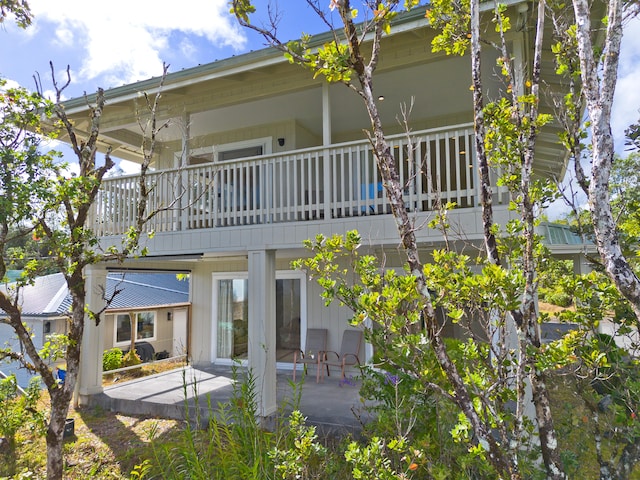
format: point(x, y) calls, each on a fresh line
point(49, 296)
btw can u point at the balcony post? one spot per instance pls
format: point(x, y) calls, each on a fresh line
point(262, 327)
point(326, 154)
point(184, 162)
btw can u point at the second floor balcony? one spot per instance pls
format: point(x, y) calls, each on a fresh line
point(436, 166)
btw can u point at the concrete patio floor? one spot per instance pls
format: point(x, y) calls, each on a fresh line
point(334, 406)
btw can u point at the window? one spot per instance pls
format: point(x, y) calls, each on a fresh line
point(252, 151)
point(123, 328)
point(144, 327)
point(228, 151)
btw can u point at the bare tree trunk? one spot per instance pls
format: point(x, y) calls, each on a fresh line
point(55, 432)
point(526, 319)
point(406, 230)
point(486, 194)
point(599, 99)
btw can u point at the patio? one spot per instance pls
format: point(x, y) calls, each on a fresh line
point(333, 406)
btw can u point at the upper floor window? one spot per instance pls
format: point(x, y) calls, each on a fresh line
point(231, 151)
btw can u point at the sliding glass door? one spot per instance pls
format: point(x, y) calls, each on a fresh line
point(231, 316)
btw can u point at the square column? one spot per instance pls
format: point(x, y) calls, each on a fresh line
point(90, 375)
point(262, 328)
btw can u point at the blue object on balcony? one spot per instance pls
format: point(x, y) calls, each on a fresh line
point(370, 191)
point(62, 374)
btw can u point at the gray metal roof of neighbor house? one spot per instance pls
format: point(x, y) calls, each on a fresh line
point(49, 296)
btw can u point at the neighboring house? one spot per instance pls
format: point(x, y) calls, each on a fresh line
point(259, 156)
point(158, 303)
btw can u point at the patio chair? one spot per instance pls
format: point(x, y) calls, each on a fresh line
point(315, 346)
point(348, 356)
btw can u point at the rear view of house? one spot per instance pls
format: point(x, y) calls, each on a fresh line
point(259, 156)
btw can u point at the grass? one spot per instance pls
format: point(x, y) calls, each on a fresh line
point(108, 445)
point(105, 445)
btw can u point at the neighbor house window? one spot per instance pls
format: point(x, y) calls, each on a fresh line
point(144, 326)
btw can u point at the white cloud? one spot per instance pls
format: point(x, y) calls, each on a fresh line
point(64, 37)
point(124, 41)
point(626, 103)
point(9, 84)
point(187, 48)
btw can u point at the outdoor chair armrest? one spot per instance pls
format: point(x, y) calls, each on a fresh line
point(326, 359)
point(344, 358)
point(300, 357)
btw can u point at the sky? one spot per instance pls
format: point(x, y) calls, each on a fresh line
point(108, 45)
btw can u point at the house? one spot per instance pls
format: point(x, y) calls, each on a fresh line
point(158, 304)
point(259, 156)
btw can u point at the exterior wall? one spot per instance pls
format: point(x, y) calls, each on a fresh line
point(304, 138)
point(334, 318)
point(375, 229)
point(8, 339)
point(225, 250)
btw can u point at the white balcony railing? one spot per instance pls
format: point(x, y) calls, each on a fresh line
point(312, 184)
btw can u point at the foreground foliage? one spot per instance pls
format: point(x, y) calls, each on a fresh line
point(50, 200)
point(497, 379)
point(409, 437)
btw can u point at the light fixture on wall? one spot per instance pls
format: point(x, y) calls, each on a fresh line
point(380, 98)
point(281, 142)
point(169, 316)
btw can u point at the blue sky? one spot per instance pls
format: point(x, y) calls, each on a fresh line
point(107, 45)
point(128, 41)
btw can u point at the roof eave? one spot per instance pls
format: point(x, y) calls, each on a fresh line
point(240, 63)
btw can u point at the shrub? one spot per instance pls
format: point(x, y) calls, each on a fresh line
point(18, 410)
point(112, 359)
point(130, 359)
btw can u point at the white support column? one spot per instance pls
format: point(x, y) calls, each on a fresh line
point(262, 327)
point(326, 142)
point(184, 162)
point(520, 70)
point(580, 264)
point(326, 115)
point(90, 377)
point(186, 134)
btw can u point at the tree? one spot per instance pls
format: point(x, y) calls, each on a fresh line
point(597, 68)
point(19, 9)
point(346, 62)
point(506, 133)
point(41, 196)
point(624, 191)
